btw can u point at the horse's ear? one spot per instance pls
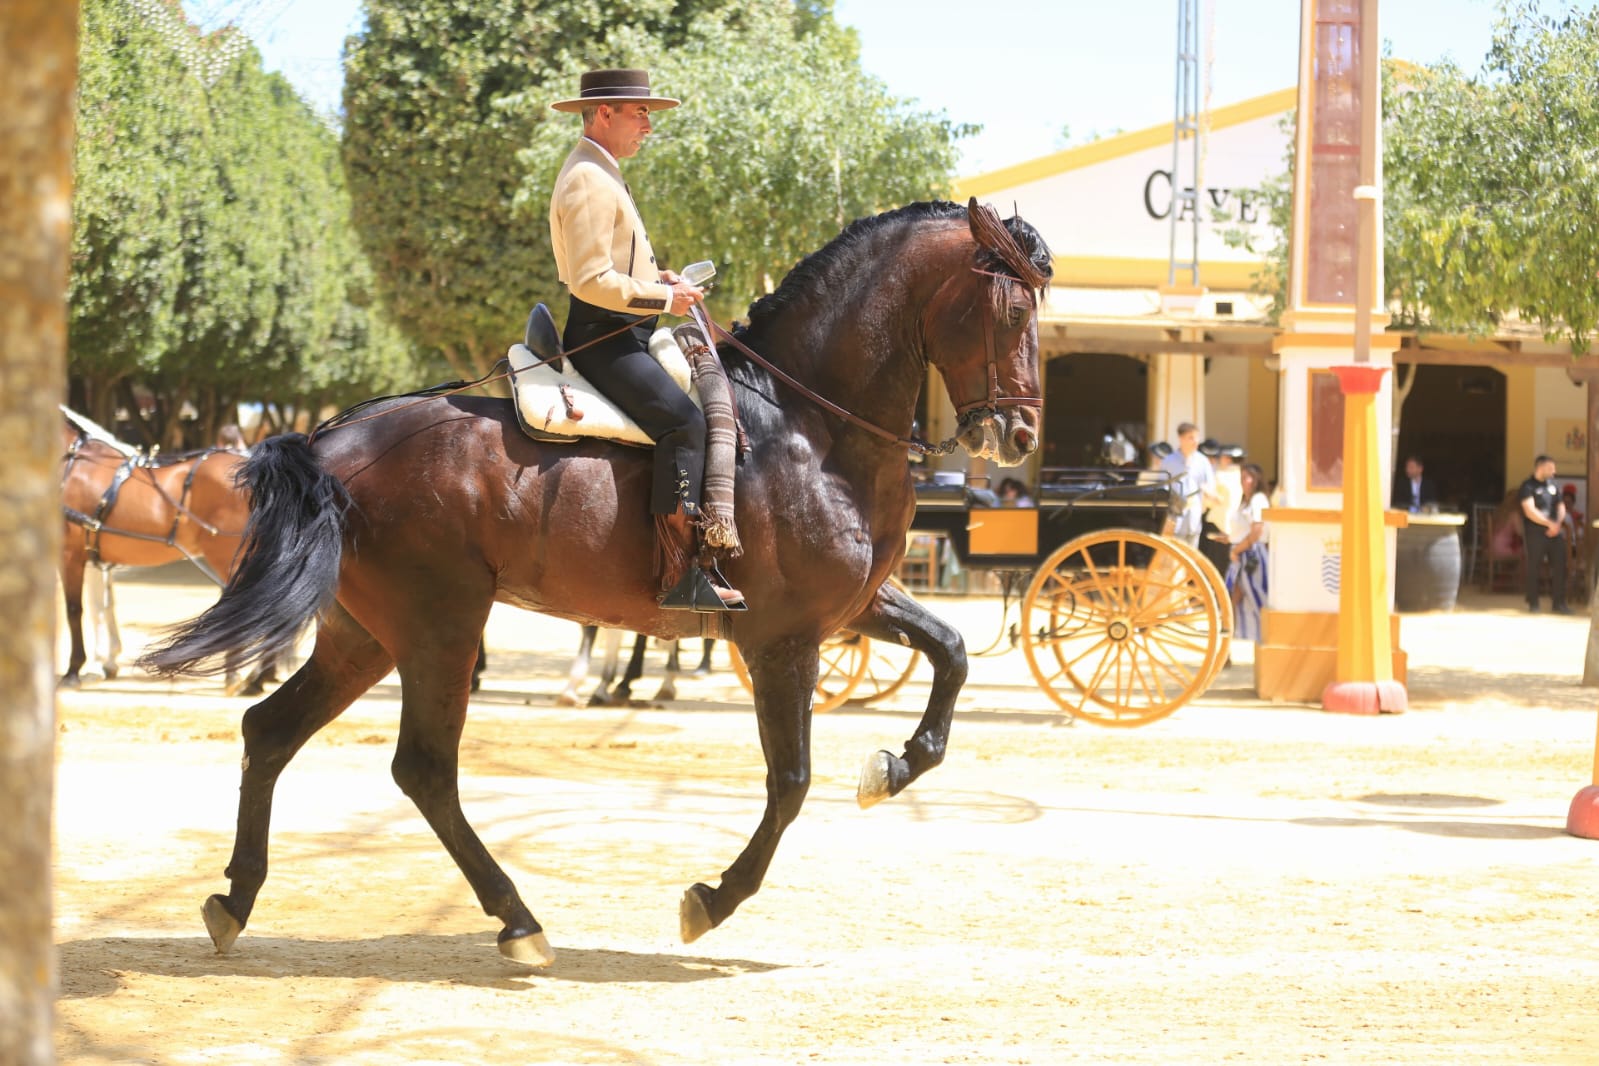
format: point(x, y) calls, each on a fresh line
point(974, 213)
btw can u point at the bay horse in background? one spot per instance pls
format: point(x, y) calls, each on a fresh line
point(396, 529)
point(124, 508)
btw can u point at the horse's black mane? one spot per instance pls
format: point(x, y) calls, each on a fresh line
point(817, 268)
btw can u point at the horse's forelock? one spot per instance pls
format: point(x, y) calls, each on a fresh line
point(1032, 245)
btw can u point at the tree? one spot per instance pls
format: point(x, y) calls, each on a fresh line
point(138, 114)
point(1489, 184)
point(1492, 182)
point(37, 75)
point(214, 257)
point(781, 142)
point(451, 148)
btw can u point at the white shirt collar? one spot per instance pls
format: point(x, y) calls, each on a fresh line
point(604, 151)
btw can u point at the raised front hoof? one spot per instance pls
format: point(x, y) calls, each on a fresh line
point(694, 913)
point(529, 949)
point(876, 780)
point(223, 926)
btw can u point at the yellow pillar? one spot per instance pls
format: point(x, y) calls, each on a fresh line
point(1364, 682)
point(1583, 818)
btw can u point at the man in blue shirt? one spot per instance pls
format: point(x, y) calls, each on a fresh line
point(1195, 481)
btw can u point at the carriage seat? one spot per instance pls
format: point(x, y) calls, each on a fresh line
point(537, 387)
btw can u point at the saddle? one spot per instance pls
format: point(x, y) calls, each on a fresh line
point(554, 402)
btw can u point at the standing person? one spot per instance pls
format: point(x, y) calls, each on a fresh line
point(1414, 491)
point(603, 256)
point(1246, 569)
point(1195, 481)
point(1543, 533)
point(230, 438)
point(1213, 543)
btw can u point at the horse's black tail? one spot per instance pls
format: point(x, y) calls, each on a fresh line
point(287, 570)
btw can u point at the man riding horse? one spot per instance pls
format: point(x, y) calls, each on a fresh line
point(604, 258)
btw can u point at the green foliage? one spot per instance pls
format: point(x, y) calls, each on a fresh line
point(138, 114)
point(1491, 183)
point(451, 148)
point(781, 142)
point(213, 259)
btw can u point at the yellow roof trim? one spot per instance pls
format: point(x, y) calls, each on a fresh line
point(1121, 144)
point(1112, 272)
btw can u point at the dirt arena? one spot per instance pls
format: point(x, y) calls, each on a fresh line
point(1239, 883)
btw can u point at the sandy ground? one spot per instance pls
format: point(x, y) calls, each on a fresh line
point(1239, 883)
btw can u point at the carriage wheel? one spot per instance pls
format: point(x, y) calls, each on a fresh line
point(842, 663)
point(1224, 601)
point(888, 667)
point(1121, 628)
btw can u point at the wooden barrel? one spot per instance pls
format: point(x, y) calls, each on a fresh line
point(1427, 565)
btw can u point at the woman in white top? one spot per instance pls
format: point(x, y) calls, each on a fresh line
point(1246, 573)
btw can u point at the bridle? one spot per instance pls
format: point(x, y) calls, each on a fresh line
point(991, 233)
point(996, 399)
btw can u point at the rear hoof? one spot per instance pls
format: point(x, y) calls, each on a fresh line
point(223, 926)
point(875, 780)
point(530, 949)
point(110, 671)
point(693, 914)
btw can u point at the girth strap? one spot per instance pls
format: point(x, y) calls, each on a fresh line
point(107, 501)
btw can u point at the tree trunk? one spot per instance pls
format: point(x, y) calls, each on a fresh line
point(38, 69)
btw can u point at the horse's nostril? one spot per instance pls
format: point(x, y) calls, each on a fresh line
point(1022, 438)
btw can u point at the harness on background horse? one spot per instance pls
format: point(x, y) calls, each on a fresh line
point(94, 526)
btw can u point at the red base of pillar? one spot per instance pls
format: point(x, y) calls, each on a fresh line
point(1364, 697)
point(1583, 820)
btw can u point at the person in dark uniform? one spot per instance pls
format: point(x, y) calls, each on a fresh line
point(603, 256)
point(1543, 533)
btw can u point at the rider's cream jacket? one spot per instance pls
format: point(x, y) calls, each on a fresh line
point(601, 250)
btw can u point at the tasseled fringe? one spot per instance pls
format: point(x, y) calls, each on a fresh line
point(716, 524)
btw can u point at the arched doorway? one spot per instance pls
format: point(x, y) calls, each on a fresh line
point(1087, 396)
point(1454, 422)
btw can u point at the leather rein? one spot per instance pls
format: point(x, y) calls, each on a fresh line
point(1000, 242)
point(991, 403)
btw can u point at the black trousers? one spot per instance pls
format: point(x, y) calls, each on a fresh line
point(622, 368)
point(1538, 545)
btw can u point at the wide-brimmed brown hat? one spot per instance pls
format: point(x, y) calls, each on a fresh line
point(615, 87)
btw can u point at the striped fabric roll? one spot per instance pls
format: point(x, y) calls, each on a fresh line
point(721, 440)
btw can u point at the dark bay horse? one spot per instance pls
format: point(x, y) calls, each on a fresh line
point(397, 529)
point(123, 509)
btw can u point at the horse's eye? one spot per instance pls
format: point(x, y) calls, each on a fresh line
point(1018, 316)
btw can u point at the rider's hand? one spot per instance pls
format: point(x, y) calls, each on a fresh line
point(684, 295)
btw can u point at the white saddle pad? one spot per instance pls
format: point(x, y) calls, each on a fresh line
point(538, 394)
